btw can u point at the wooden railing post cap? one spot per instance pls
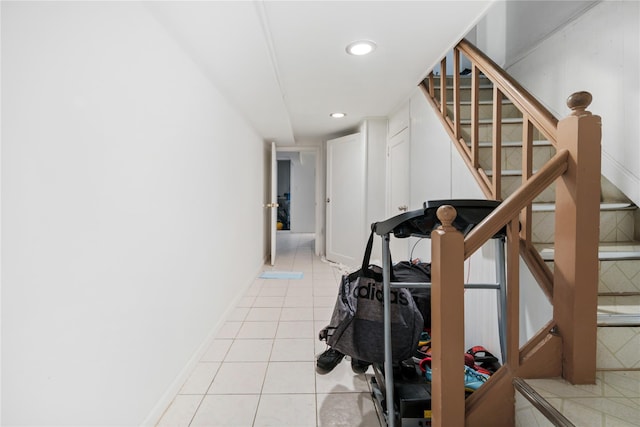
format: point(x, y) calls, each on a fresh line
point(578, 103)
point(446, 214)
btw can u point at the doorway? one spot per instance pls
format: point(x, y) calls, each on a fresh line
point(298, 178)
point(284, 195)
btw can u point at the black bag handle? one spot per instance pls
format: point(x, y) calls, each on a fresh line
point(366, 259)
point(367, 253)
point(364, 268)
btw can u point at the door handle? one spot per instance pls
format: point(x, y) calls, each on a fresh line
point(403, 208)
point(271, 205)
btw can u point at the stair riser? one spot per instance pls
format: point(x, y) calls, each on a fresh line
point(619, 276)
point(618, 348)
point(484, 94)
point(615, 226)
point(465, 80)
point(485, 111)
point(512, 157)
point(511, 183)
point(622, 276)
point(626, 304)
point(511, 132)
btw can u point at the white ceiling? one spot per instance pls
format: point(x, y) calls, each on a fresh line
point(283, 64)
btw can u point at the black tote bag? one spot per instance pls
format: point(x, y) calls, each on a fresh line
point(356, 327)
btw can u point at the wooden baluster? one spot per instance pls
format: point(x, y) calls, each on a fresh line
point(527, 171)
point(475, 97)
point(497, 143)
point(513, 295)
point(456, 93)
point(447, 325)
point(432, 92)
point(576, 240)
point(443, 87)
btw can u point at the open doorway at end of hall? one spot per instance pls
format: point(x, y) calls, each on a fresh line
point(284, 194)
point(296, 191)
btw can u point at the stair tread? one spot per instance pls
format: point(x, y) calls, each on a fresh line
point(606, 251)
point(465, 86)
point(624, 304)
point(506, 172)
point(605, 206)
point(618, 319)
point(536, 143)
point(483, 102)
point(507, 120)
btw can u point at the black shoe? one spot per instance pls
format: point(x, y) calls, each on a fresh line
point(359, 366)
point(328, 360)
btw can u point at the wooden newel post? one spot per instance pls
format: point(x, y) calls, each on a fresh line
point(575, 292)
point(447, 322)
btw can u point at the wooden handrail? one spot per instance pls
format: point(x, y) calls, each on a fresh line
point(512, 206)
point(540, 116)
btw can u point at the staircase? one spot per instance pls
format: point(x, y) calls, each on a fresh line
point(614, 399)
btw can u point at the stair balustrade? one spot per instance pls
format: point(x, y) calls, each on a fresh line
point(567, 345)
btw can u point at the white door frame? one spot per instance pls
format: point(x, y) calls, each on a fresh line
point(320, 191)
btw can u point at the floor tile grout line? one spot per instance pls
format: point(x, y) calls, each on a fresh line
point(255, 416)
point(206, 391)
point(307, 262)
point(196, 411)
point(236, 338)
point(315, 387)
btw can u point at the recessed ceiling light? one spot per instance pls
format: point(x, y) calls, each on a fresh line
point(337, 115)
point(360, 47)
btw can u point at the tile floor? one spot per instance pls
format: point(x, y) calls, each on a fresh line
point(260, 370)
point(613, 401)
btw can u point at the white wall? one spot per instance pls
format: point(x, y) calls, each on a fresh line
point(375, 134)
point(490, 33)
point(513, 27)
point(430, 154)
point(598, 52)
point(120, 250)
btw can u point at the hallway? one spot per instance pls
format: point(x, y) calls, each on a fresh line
point(260, 370)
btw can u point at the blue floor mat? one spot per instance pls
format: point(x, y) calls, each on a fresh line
point(282, 275)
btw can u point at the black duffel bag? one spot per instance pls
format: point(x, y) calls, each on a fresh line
point(420, 272)
point(356, 327)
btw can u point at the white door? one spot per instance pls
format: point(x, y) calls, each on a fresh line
point(398, 191)
point(273, 203)
point(346, 187)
